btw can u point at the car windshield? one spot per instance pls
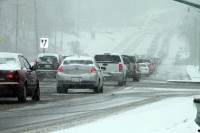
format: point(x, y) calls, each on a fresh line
point(142, 65)
point(99, 66)
point(107, 58)
point(83, 62)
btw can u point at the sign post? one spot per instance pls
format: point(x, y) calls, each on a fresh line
point(44, 43)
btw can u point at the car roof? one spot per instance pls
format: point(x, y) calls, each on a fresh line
point(9, 54)
point(109, 54)
point(79, 58)
point(48, 54)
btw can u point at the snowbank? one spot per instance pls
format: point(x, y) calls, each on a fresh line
point(174, 115)
point(193, 72)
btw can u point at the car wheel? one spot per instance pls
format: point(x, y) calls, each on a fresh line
point(101, 89)
point(60, 89)
point(22, 94)
point(124, 82)
point(120, 83)
point(36, 95)
point(96, 89)
point(66, 89)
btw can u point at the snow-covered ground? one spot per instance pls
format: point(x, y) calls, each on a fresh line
point(193, 72)
point(167, 116)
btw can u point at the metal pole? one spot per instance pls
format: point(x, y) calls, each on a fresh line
point(36, 29)
point(195, 39)
point(78, 15)
point(0, 16)
point(17, 11)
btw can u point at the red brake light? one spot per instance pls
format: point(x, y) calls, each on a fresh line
point(10, 76)
point(93, 70)
point(60, 69)
point(13, 76)
point(120, 67)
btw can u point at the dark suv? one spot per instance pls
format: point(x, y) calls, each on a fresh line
point(47, 64)
point(133, 69)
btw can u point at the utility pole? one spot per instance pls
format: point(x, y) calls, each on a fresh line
point(17, 13)
point(0, 16)
point(36, 29)
point(195, 40)
point(79, 2)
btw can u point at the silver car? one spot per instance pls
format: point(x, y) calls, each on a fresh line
point(79, 72)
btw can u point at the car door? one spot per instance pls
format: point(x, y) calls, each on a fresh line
point(100, 74)
point(30, 74)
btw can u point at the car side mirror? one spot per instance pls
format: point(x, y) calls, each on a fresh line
point(34, 67)
point(103, 68)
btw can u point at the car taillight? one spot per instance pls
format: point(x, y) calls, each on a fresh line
point(138, 68)
point(93, 70)
point(120, 67)
point(10, 76)
point(13, 76)
point(60, 69)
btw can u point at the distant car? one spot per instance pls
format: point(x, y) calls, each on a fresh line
point(144, 69)
point(113, 66)
point(197, 104)
point(18, 78)
point(149, 63)
point(47, 64)
point(79, 72)
point(157, 60)
point(133, 69)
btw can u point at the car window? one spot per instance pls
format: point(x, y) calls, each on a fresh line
point(7, 60)
point(24, 62)
point(108, 58)
point(83, 62)
point(50, 59)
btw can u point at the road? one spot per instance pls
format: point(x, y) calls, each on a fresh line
point(57, 111)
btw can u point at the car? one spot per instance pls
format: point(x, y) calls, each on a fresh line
point(47, 64)
point(113, 66)
point(79, 72)
point(18, 78)
point(157, 60)
point(133, 69)
point(197, 104)
point(150, 64)
point(144, 69)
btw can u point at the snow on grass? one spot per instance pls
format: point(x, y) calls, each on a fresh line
point(193, 72)
point(174, 115)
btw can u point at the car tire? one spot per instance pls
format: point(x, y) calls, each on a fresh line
point(120, 83)
point(36, 95)
point(66, 89)
point(101, 89)
point(60, 89)
point(97, 88)
point(124, 82)
point(22, 94)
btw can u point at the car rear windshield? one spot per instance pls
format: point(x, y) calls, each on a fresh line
point(7, 60)
point(83, 62)
point(144, 61)
point(143, 65)
point(50, 59)
point(108, 58)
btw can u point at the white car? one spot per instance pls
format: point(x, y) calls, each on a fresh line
point(79, 72)
point(113, 66)
point(144, 69)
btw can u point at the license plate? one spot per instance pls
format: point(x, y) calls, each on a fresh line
point(48, 66)
point(76, 79)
